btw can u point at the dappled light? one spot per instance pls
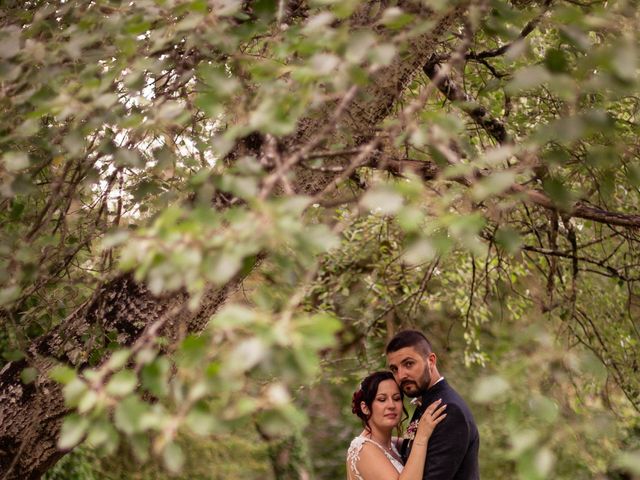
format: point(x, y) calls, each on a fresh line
point(216, 213)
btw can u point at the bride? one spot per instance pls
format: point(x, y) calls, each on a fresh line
point(373, 455)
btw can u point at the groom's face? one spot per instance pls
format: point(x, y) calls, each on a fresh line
point(411, 369)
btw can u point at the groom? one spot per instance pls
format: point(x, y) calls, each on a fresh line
point(452, 452)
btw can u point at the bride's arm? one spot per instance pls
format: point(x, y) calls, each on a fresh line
point(432, 416)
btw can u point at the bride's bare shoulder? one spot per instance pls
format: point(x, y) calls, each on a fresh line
point(373, 464)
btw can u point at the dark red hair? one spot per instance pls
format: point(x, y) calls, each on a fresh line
point(367, 393)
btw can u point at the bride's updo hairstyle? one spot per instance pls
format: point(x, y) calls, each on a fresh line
point(367, 393)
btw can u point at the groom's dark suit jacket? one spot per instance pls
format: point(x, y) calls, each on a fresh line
point(452, 452)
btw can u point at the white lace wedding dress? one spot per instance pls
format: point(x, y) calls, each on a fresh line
point(353, 455)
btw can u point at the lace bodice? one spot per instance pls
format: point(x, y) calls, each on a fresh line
point(353, 455)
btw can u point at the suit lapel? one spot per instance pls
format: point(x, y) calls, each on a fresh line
point(427, 399)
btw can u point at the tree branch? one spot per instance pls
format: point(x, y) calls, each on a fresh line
point(528, 28)
point(455, 93)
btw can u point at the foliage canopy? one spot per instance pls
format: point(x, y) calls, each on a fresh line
point(331, 172)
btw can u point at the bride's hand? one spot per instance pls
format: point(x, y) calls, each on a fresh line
point(431, 417)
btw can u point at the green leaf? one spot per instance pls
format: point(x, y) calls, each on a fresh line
point(629, 461)
point(118, 359)
point(155, 376)
point(324, 63)
point(17, 209)
point(509, 239)
point(544, 461)
point(318, 23)
point(382, 200)
point(383, 54)
point(173, 457)
point(305, 361)
point(13, 355)
point(410, 219)
point(467, 225)
point(62, 374)
point(122, 383)
point(73, 430)
point(202, 421)
point(359, 46)
point(74, 391)
point(170, 111)
point(222, 267)
point(522, 440)
point(577, 37)
point(129, 413)
point(490, 388)
point(319, 239)
point(394, 18)
point(87, 401)
point(127, 158)
point(232, 316)
point(247, 354)
point(278, 394)
point(281, 421)
point(15, 161)
point(9, 294)
point(10, 40)
point(633, 174)
point(193, 349)
point(544, 408)
point(527, 79)
point(492, 185)
point(273, 116)
point(140, 446)
point(103, 435)
point(556, 60)
point(625, 62)
point(590, 364)
point(420, 251)
point(560, 194)
point(319, 330)
point(28, 375)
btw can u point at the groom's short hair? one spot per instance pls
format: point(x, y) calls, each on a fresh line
point(410, 338)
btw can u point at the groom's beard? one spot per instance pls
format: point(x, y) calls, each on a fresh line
point(418, 388)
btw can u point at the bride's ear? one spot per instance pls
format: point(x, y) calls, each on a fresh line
point(364, 408)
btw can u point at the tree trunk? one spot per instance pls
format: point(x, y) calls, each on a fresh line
point(31, 414)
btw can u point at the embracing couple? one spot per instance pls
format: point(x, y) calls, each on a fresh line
point(441, 442)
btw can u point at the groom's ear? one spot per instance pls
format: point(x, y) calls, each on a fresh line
point(432, 361)
point(432, 358)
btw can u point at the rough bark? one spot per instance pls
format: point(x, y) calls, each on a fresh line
point(31, 415)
